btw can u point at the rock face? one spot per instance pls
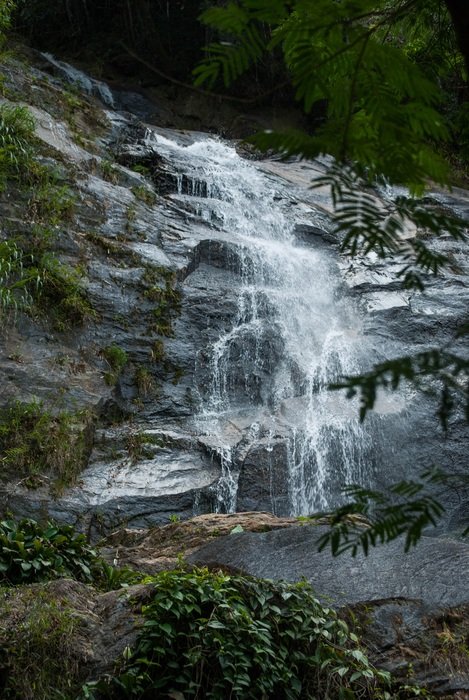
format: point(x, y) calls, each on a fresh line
point(220, 280)
point(430, 572)
point(158, 549)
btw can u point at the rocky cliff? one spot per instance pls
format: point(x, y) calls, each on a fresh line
point(187, 307)
point(187, 390)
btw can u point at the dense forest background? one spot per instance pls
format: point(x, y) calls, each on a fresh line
point(167, 32)
point(154, 42)
point(106, 34)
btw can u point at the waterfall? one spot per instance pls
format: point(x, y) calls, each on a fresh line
point(292, 335)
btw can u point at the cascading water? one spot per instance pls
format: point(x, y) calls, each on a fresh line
point(292, 335)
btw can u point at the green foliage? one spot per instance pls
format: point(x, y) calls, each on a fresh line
point(6, 9)
point(216, 636)
point(116, 358)
point(161, 289)
point(364, 223)
point(61, 296)
point(51, 203)
point(109, 172)
point(381, 108)
point(404, 511)
point(144, 381)
point(16, 141)
point(19, 281)
point(42, 285)
point(141, 445)
point(31, 553)
point(144, 195)
point(110, 578)
point(37, 445)
point(158, 352)
point(141, 169)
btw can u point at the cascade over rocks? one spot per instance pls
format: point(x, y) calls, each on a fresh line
point(220, 279)
point(221, 309)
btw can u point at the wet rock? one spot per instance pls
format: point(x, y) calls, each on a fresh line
point(175, 229)
point(430, 572)
point(418, 643)
point(263, 479)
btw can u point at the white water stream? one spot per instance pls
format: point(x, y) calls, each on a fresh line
point(284, 332)
point(293, 332)
point(291, 337)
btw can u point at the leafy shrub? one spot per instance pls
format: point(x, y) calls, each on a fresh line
point(30, 552)
point(217, 636)
point(35, 442)
point(111, 578)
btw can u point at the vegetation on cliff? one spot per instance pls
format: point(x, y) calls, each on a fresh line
point(202, 633)
point(300, 647)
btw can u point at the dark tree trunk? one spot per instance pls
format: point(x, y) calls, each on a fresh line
point(459, 11)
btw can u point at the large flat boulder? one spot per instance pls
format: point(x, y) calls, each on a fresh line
point(436, 571)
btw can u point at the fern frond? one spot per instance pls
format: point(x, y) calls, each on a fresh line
point(448, 370)
point(404, 511)
point(230, 60)
point(231, 19)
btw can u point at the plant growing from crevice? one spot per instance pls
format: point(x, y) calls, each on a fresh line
point(141, 445)
point(61, 297)
point(39, 446)
point(41, 284)
point(17, 142)
point(161, 289)
point(19, 279)
point(130, 215)
point(109, 172)
point(143, 194)
point(158, 356)
point(117, 358)
point(176, 371)
point(141, 169)
point(50, 203)
point(109, 246)
point(144, 381)
point(157, 352)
